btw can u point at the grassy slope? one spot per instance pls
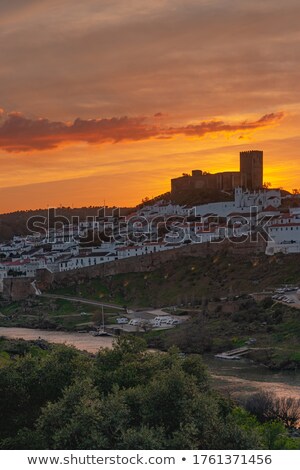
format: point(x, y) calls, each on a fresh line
point(191, 280)
point(53, 314)
point(194, 282)
point(276, 329)
point(190, 283)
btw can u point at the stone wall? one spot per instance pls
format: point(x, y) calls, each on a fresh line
point(20, 288)
point(146, 263)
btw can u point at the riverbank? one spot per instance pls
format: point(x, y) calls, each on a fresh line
point(269, 329)
point(82, 341)
point(244, 377)
point(235, 378)
point(217, 325)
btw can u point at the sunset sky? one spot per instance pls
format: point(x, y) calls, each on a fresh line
point(109, 99)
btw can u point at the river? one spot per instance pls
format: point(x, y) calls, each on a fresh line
point(83, 341)
point(237, 378)
point(241, 378)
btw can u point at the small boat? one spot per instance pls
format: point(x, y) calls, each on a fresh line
point(101, 331)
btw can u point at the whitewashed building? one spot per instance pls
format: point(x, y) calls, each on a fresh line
point(284, 233)
point(243, 201)
point(84, 261)
point(162, 208)
point(138, 250)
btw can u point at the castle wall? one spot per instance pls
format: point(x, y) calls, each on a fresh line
point(149, 262)
point(15, 289)
point(226, 180)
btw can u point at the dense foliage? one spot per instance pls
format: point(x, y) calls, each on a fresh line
point(124, 398)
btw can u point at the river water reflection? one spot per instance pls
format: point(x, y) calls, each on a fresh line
point(244, 377)
point(235, 377)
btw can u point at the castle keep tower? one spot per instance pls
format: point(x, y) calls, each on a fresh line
point(249, 177)
point(251, 168)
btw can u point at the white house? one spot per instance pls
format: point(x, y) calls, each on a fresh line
point(162, 208)
point(84, 261)
point(243, 201)
point(194, 232)
point(138, 250)
point(284, 233)
point(22, 267)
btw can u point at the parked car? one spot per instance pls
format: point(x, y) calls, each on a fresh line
point(163, 318)
point(122, 320)
point(172, 321)
point(135, 322)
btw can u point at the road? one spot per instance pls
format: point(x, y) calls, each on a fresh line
point(83, 301)
point(145, 314)
point(295, 298)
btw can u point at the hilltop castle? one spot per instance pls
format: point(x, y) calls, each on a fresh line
point(249, 177)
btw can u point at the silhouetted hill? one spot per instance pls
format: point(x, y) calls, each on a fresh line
point(15, 223)
point(191, 197)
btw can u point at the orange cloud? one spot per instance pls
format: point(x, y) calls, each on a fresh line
point(21, 134)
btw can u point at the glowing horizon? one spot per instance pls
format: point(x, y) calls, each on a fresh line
point(109, 100)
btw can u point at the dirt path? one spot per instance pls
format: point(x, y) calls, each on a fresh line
point(83, 301)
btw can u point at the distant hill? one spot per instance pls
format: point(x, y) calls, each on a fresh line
point(15, 223)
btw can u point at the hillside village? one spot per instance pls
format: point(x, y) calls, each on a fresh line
point(153, 228)
point(163, 265)
point(160, 226)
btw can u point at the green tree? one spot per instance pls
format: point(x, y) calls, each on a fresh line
point(74, 421)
